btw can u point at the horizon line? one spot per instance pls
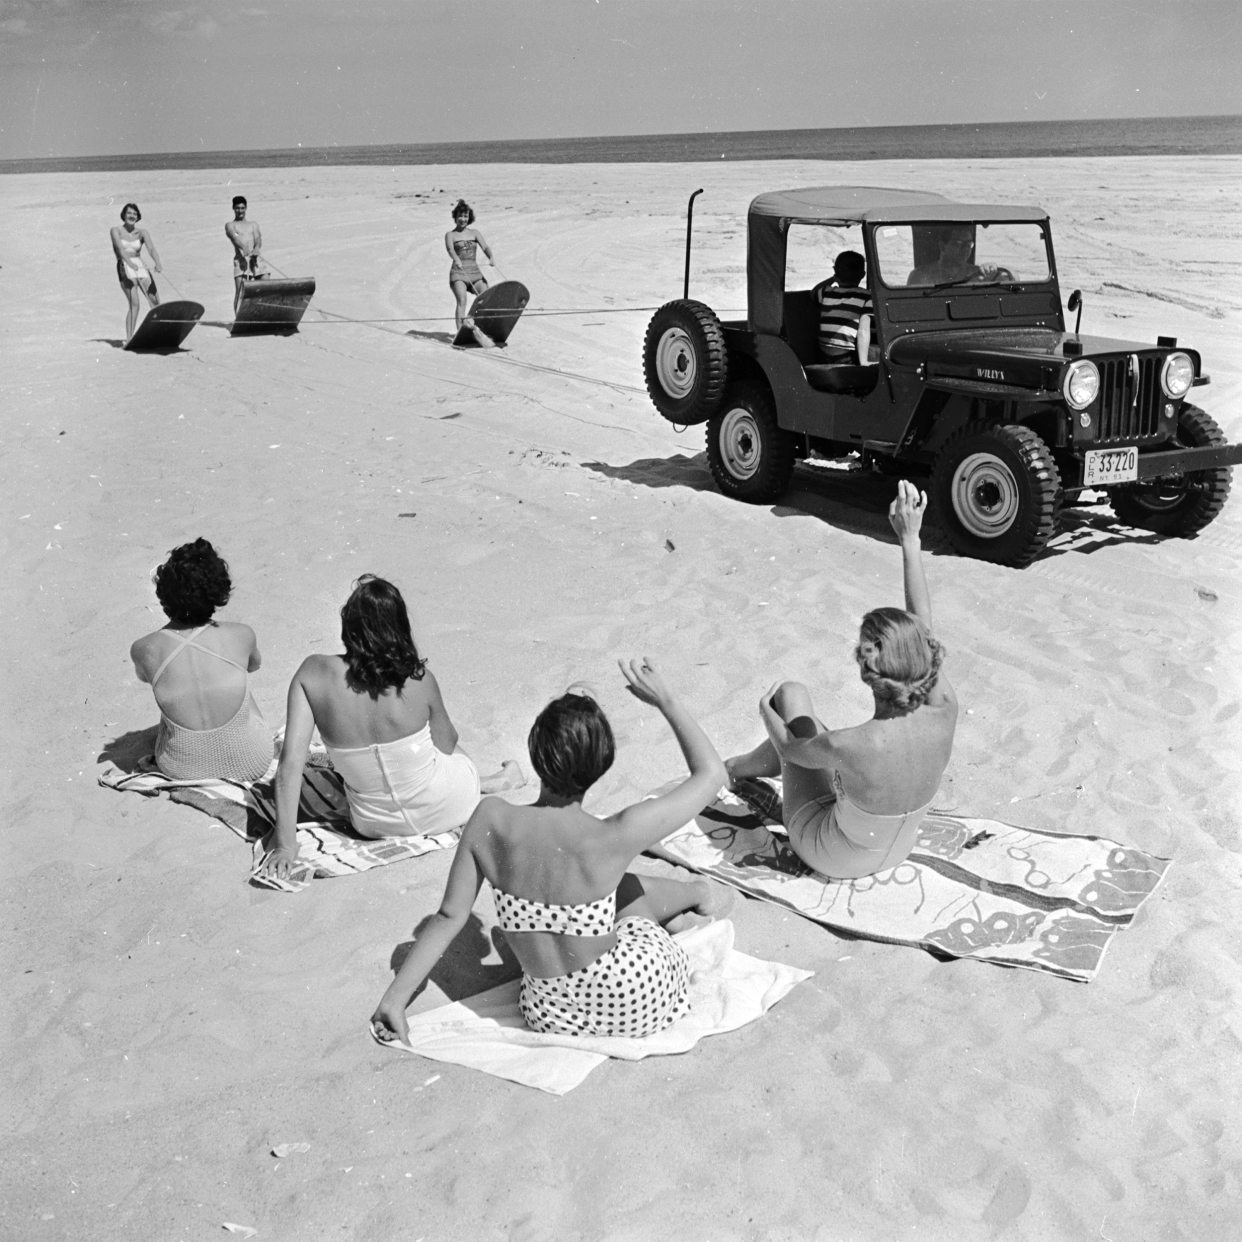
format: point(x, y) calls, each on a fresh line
point(700, 146)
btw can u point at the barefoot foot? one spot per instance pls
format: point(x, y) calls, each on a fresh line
point(510, 776)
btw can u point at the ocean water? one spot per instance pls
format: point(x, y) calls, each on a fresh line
point(1178, 135)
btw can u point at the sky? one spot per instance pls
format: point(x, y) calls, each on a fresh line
point(97, 77)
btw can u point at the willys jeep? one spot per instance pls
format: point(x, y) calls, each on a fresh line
point(971, 376)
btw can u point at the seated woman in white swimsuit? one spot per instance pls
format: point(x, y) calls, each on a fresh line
point(379, 711)
point(210, 725)
point(854, 798)
point(127, 243)
point(595, 957)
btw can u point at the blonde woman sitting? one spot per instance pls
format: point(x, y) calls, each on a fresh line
point(854, 798)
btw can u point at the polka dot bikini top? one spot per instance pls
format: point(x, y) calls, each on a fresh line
point(594, 918)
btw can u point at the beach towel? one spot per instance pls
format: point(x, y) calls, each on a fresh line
point(486, 1032)
point(971, 887)
point(327, 842)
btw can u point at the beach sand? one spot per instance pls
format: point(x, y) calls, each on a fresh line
point(166, 1024)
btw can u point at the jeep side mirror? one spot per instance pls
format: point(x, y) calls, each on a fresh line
point(1075, 304)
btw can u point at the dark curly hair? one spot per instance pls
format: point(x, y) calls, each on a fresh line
point(462, 205)
point(898, 658)
point(379, 648)
point(193, 583)
point(571, 745)
point(127, 207)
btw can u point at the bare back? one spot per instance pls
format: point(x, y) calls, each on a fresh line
point(197, 690)
point(350, 718)
point(559, 856)
point(890, 765)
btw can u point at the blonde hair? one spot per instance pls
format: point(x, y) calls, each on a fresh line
point(897, 657)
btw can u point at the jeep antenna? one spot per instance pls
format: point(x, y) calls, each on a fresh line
point(689, 222)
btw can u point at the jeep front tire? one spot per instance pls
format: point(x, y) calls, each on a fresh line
point(685, 362)
point(997, 491)
point(1181, 506)
point(752, 458)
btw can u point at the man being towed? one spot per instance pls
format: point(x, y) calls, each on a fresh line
point(247, 242)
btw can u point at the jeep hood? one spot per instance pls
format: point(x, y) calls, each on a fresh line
point(997, 347)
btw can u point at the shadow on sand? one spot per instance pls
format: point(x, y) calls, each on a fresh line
point(129, 750)
point(462, 972)
point(857, 501)
point(443, 338)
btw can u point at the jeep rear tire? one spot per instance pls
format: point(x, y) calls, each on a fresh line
point(1180, 506)
point(685, 362)
point(997, 491)
point(751, 457)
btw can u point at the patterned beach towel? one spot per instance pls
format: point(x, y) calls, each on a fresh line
point(328, 844)
point(970, 888)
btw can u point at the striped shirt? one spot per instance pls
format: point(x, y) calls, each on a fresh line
point(839, 313)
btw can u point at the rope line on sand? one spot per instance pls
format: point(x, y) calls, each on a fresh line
point(539, 313)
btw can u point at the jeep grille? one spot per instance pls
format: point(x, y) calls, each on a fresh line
point(1122, 416)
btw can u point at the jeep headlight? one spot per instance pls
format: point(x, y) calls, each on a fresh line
point(1081, 385)
point(1177, 375)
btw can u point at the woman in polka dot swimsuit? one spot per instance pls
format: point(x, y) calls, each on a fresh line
point(596, 959)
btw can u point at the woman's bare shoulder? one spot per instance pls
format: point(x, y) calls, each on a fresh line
point(236, 630)
point(320, 669)
point(145, 647)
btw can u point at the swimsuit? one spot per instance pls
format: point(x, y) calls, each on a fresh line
point(639, 986)
point(842, 841)
point(241, 750)
point(465, 268)
point(407, 787)
point(130, 270)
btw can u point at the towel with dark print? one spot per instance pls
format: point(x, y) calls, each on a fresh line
point(970, 887)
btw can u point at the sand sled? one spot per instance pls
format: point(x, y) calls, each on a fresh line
point(165, 327)
point(495, 312)
point(268, 305)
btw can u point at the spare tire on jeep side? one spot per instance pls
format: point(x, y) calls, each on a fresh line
point(997, 491)
point(685, 362)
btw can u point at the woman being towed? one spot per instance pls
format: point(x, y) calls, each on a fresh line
point(465, 277)
point(379, 711)
point(210, 725)
point(854, 798)
point(127, 243)
point(587, 932)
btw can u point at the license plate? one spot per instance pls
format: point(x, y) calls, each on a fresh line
point(1104, 466)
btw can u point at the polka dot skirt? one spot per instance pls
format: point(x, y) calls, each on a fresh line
point(637, 988)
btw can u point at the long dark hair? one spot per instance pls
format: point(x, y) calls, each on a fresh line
point(571, 745)
point(379, 648)
point(193, 583)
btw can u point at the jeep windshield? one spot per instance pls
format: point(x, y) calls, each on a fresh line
point(944, 255)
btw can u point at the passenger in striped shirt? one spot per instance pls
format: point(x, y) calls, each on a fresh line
point(843, 301)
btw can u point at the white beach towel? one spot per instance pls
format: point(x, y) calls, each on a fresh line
point(486, 1032)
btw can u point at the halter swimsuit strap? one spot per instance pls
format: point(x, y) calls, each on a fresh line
point(189, 642)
